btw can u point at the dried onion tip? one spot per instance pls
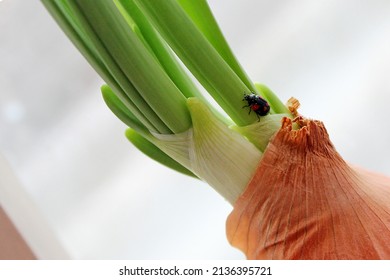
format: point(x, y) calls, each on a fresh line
point(306, 202)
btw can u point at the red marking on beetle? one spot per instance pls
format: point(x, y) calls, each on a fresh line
point(255, 107)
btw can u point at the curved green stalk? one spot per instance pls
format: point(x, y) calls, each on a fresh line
point(200, 57)
point(277, 106)
point(200, 13)
point(152, 151)
point(137, 68)
point(90, 46)
point(121, 111)
point(160, 49)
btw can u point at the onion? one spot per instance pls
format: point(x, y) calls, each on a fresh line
point(306, 202)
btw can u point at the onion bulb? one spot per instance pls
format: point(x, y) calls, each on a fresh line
point(305, 202)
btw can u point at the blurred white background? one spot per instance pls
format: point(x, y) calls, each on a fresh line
point(102, 198)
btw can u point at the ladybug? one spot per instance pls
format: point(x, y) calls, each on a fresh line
point(256, 104)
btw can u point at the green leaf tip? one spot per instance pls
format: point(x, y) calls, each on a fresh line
point(152, 151)
point(120, 110)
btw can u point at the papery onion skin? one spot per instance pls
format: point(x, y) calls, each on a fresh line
point(306, 202)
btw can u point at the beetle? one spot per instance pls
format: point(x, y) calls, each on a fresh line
point(256, 104)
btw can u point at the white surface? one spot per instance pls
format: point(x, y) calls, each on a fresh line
point(105, 200)
point(27, 217)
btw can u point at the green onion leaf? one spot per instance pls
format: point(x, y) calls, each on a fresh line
point(155, 153)
point(201, 14)
point(121, 111)
point(134, 66)
point(277, 106)
point(200, 57)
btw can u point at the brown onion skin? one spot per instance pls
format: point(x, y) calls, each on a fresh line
point(305, 202)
